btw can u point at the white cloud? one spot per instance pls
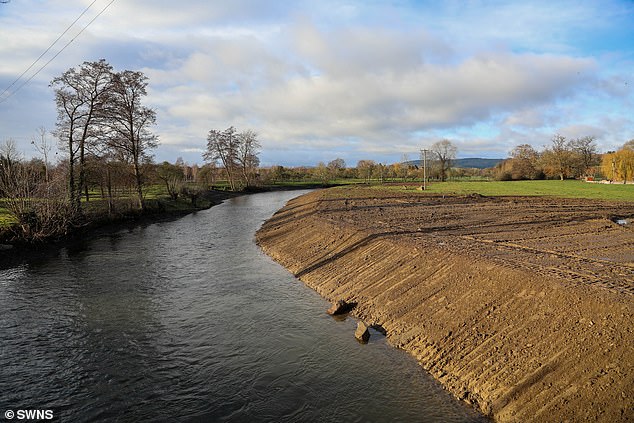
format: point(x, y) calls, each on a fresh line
point(342, 77)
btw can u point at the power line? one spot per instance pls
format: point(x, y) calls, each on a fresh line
point(2, 100)
point(49, 47)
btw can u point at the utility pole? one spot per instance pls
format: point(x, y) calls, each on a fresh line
point(424, 154)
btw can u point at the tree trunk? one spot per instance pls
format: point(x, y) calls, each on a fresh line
point(139, 184)
point(109, 185)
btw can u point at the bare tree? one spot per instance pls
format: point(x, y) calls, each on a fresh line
point(128, 123)
point(43, 146)
point(80, 95)
point(36, 204)
point(445, 153)
point(558, 160)
point(335, 167)
point(585, 149)
point(173, 176)
point(248, 149)
point(223, 146)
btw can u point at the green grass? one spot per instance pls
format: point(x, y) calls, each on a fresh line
point(562, 189)
point(6, 219)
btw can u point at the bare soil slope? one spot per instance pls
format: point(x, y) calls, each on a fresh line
point(523, 307)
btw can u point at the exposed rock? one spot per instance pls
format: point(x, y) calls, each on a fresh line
point(362, 333)
point(340, 307)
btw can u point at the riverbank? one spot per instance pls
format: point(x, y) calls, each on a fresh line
point(520, 306)
point(156, 210)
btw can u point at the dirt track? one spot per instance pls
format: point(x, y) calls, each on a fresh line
point(522, 306)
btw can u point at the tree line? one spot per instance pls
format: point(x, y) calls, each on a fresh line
point(567, 158)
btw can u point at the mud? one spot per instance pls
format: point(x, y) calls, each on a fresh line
point(521, 306)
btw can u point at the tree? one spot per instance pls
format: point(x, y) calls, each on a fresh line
point(335, 167)
point(248, 149)
point(365, 169)
point(207, 174)
point(223, 146)
point(524, 163)
point(619, 166)
point(43, 146)
point(445, 153)
point(321, 173)
point(128, 122)
point(237, 152)
point(558, 160)
point(80, 96)
point(38, 208)
point(585, 150)
point(172, 175)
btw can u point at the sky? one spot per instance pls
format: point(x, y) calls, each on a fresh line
point(319, 80)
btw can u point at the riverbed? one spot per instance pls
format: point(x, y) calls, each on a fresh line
point(187, 320)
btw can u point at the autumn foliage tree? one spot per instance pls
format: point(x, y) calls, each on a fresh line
point(619, 166)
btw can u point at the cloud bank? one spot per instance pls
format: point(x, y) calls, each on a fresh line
point(352, 80)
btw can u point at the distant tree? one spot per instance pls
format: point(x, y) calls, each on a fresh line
point(558, 160)
point(43, 146)
point(207, 174)
point(585, 151)
point(524, 163)
point(172, 176)
point(365, 169)
point(335, 167)
point(379, 172)
point(248, 150)
point(445, 153)
point(619, 166)
point(223, 146)
point(321, 173)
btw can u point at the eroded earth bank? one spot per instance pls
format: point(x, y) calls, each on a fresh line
point(522, 306)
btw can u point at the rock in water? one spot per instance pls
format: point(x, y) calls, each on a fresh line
point(362, 333)
point(340, 307)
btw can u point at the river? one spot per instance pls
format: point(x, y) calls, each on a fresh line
point(187, 320)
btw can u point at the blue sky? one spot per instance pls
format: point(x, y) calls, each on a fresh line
point(352, 79)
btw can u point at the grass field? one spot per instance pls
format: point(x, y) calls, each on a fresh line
point(563, 189)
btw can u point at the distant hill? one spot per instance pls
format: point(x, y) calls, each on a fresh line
point(472, 162)
point(476, 163)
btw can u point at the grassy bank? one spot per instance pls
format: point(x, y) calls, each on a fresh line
point(95, 214)
point(560, 189)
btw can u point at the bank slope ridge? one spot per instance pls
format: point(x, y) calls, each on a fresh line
point(500, 326)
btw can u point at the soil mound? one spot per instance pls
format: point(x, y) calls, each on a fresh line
point(521, 306)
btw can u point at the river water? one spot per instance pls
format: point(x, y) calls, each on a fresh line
point(187, 320)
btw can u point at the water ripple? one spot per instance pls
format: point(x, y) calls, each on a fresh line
point(189, 321)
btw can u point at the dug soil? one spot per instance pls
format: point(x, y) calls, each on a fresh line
point(521, 306)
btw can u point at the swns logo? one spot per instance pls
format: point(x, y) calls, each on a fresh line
point(29, 415)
